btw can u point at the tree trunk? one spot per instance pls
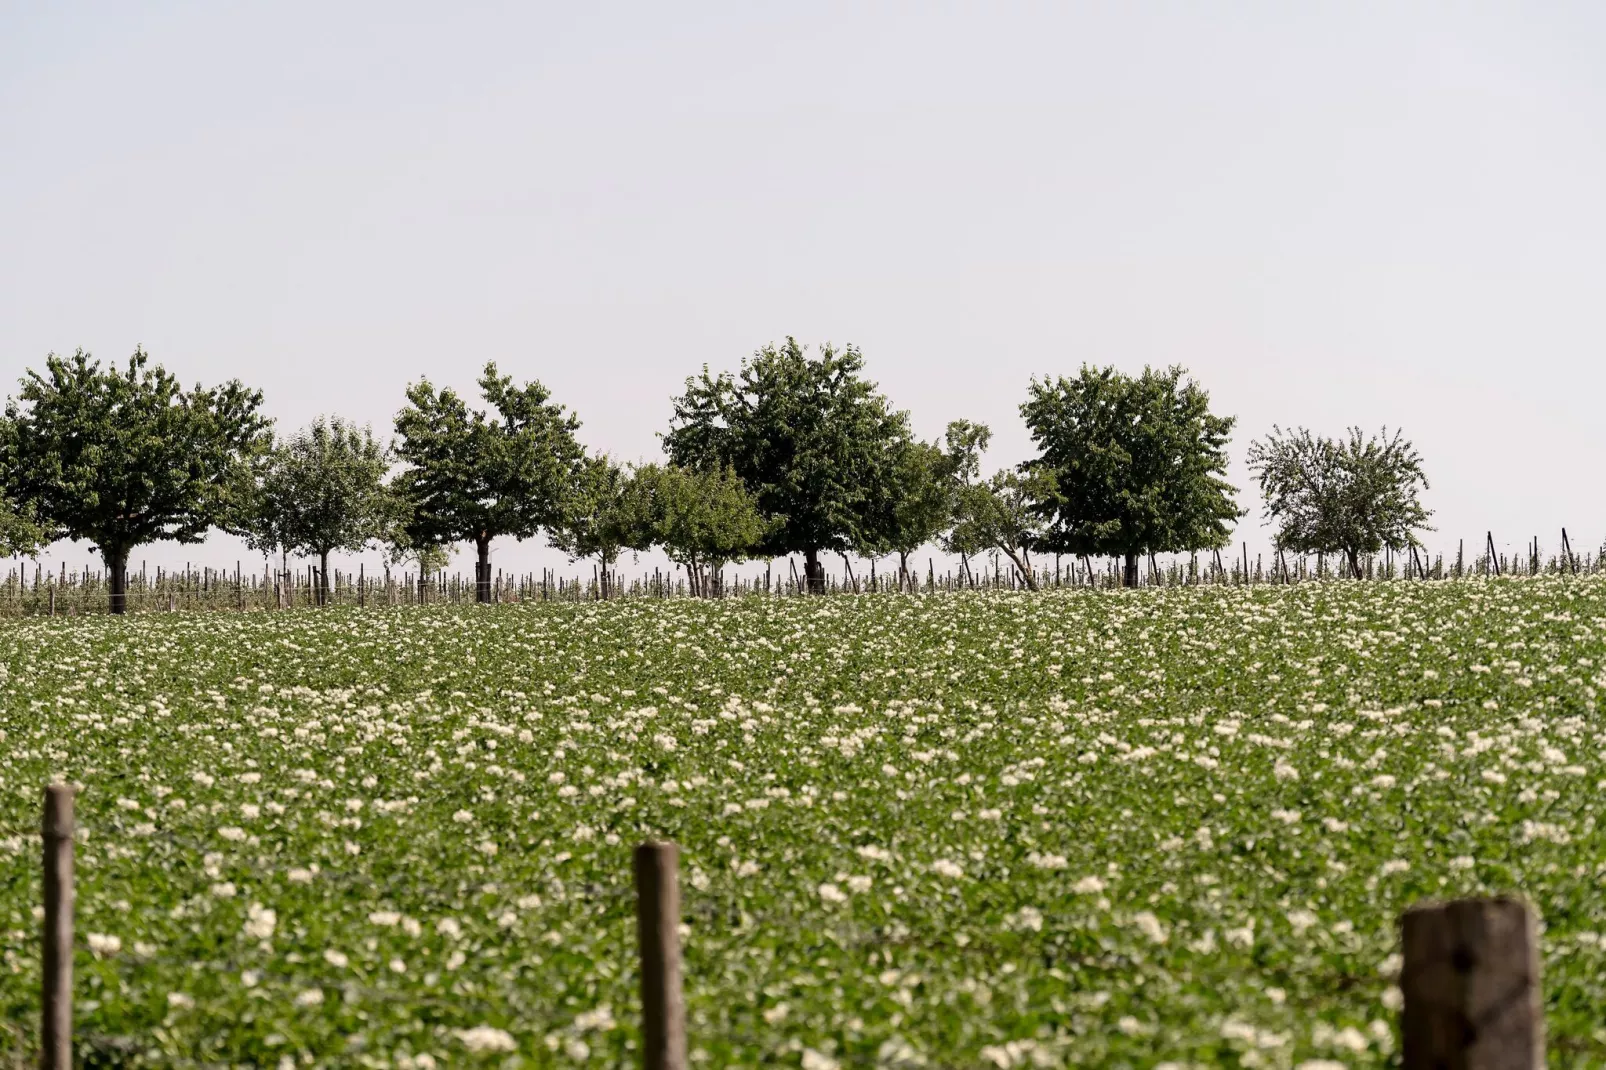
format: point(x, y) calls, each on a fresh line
point(117, 566)
point(323, 578)
point(1129, 571)
point(904, 582)
point(813, 571)
point(1023, 566)
point(482, 570)
point(1354, 563)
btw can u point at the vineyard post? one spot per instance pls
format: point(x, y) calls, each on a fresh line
point(55, 1037)
point(1567, 548)
point(663, 1009)
point(1470, 979)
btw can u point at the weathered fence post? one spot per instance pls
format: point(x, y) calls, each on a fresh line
point(663, 1011)
point(55, 1036)
point(1470, 979)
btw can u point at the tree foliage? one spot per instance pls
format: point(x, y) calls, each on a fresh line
point(1129, 464)
point(124, 457)
point(1352, 495)
point(323, 490)
point(609, 510)
point(920, 503)
point(703, 519)
point(475, 475)
point(811, 439)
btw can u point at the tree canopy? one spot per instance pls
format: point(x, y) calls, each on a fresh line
point(609, 510)
point(703, 519)
point(1129, 464)
point(813, 441)
point(473, 475)
point(124, 457)
point(323, 490)
point(1352, 495)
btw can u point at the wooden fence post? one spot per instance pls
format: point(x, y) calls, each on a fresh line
point(55, 1036)
point(1470, 979)
point(663, 1010)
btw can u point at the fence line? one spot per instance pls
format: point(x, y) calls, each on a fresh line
point(86, 591)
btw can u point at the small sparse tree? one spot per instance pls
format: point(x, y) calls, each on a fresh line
point(920, 504)
point(704, 520)
point(126, 457)
point(323, 490)
point(1129, 465)
point(473, 476)
point(609, 511)
point(999, 514)
point(1351, 495)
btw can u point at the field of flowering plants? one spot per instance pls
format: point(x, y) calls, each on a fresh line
point(990, 829)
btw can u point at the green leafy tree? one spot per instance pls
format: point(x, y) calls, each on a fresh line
point(1000, 513)
point(811, 439)
point(921, 502)
point(1352, 495)
point(473, 476)
point(324, 490)
point(20, 531)
point(704, 520)
point(609, 511)
point(1129, 465)
point(125, 457)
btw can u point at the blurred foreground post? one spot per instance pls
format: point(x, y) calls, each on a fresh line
point(1471, 984)
point(55, 1038)
point(663, 1010)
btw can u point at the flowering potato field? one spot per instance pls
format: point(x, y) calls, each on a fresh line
point(1075, 828)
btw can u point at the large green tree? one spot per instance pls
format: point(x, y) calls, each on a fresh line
point(121, 457)
point(812, 440)
point(1351, 495)
point(1129, 465)
point(609, 510)
point(474, 475)
point(323, 490)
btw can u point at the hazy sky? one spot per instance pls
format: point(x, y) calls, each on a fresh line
point(1330, 213)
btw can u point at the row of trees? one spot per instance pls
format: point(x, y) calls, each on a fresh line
point(793, 453)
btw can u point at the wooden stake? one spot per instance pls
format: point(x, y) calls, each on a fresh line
point(1471, 985)
point(663, 1010)
point(55, 1037)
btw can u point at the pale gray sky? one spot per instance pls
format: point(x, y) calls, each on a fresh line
point(1330, 213)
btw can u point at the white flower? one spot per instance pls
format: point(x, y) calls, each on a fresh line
point(814, 1060)
point(299, 876)
point(1393, 866)
point(101, 944)
point(483, 1038)
point(180, 1001)
point(260, 922)
point(462, 817)
point(384, 917)
point(1150, 926)
point(830, 893)
point(1044, 861)
point(1088, 886)
point(336, 959)
point(229, 832)
point(944, 868)
point(1300, 920)
point(310, 997)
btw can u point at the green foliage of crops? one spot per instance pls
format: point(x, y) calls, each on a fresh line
point(1081, 828)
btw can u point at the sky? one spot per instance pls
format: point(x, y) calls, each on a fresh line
point(1329, 213)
